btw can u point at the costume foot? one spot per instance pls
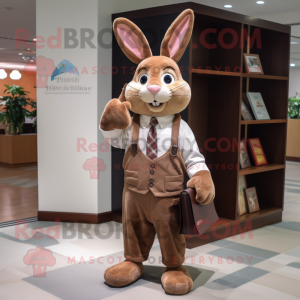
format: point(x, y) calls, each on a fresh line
point(177, 281)
point(123, 273)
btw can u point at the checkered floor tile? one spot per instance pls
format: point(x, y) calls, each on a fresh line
point(266, 266)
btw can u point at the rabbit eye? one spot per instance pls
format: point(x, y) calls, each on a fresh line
point(144, 79)
point(167, 78)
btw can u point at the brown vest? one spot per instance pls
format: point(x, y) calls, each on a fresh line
point(163, 176)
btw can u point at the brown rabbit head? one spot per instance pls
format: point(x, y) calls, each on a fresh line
point(157, 87)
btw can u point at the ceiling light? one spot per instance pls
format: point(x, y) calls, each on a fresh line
point(15, 75)
point(228, 6)
point(3, 74)
point(20, 53)
point(294, 43)
point(7, 8)
point(292, 65)
point(260, 2)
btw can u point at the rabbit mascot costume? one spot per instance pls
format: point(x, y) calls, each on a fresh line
point(160, 150)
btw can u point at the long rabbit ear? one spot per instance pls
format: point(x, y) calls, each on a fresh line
point(131, 40)
point(178, 36)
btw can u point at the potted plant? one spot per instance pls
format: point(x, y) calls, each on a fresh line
point(294, 107)
point(14, 108)
point(293, 129)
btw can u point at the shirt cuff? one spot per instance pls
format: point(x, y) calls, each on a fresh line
point(192, 170)
point(111, 133)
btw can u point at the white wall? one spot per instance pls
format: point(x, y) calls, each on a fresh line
point(283, 17)
point(63, 184)
point(294, 85)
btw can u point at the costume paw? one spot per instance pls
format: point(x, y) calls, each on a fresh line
point(177, 281)
point(116, 114)
point(123, 273)
point(205, 188)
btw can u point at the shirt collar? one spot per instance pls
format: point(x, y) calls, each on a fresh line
point(162, 120)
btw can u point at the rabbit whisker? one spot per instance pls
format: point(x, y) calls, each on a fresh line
point(132, 94)
point(178, 87)
point(132, 87)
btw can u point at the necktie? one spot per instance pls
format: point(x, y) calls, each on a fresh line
point(152, 139)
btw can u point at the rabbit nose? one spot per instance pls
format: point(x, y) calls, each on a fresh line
point(153, 89)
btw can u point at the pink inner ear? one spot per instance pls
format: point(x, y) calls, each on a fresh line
point(178, 35)
point(130, 40)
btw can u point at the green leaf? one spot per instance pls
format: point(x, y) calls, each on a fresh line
point(14, 108)
point(20, 127)
point(294, 107)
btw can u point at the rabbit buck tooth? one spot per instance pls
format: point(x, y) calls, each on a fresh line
point(155, 103)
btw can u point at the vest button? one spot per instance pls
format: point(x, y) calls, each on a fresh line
point(152, 166)
point(151, 185)
point(151, 180)
point(152, 172)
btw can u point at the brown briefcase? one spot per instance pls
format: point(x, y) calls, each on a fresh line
point(194, 217)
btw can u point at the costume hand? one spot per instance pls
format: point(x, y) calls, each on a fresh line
point(204, 186)
point(116, 113)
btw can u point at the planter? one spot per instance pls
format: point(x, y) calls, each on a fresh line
point(18, 149)
point(293, 140)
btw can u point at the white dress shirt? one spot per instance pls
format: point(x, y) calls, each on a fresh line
point(193, 159)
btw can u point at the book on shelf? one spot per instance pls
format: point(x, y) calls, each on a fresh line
point(242, 206)
point(252, 200)
point(253, 64)
point(257, 152)
point(244, 158)
point(246, 110)
point(258, 106)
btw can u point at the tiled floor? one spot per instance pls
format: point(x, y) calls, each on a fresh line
point(19, 193)
point(264, 267)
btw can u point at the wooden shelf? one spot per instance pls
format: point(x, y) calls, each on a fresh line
point(259, 76)
point(260, 214)
point(215, 72)
point(264, 217)
point(221, 223)
point(244, 75)
point(254, 122)
point(260, 169)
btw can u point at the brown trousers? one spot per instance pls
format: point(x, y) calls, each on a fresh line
point(145, 215)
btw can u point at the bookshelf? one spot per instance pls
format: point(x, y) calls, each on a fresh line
point(217, 78)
